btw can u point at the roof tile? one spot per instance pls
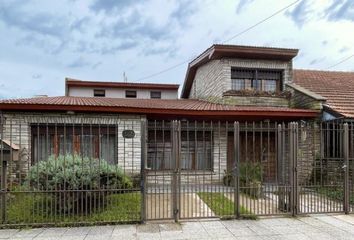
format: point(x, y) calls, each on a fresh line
point(336, 87)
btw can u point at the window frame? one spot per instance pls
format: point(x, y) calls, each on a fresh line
point(254, 81)
point(54, 132)
point(101, 94)
point(131, 96)
point(155, 92)
point(159, 150)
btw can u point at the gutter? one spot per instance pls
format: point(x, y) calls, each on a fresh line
point(160, 111)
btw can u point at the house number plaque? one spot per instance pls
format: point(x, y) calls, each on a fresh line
point(128, 133)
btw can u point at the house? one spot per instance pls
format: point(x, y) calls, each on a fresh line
point(77, 88)
point(234, 83)
point(234, 105)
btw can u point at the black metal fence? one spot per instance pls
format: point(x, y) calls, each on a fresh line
point(89, 171)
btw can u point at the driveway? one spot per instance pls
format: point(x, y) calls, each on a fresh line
point(314, 227)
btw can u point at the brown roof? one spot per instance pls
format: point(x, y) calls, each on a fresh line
point(178, 107)
point(69, 82)
point(336, 87)
point(218, 51)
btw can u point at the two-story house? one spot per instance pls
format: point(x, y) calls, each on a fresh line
point(234, 109)
point(225, 83)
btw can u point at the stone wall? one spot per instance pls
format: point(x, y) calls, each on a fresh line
point(309, 151)
point(17, 129)
point(303, 98)
point(213, 79)
point(258, 101)
point(209, 81)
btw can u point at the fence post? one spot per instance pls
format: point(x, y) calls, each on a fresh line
point(143, 140)
point(236, 169)
point(294, 170)
point(346, 167)
point(175, 152)
point(281, 190)
point(3, 172)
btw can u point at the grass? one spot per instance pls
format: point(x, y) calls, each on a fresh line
point(222, 206)
point(24, 208)
point(334, 193)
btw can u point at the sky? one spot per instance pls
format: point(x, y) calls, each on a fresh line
point(42, 42)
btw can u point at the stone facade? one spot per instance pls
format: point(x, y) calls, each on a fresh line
point(213, 79)
point(17, 129)
point(258, 101)
point(303, 98)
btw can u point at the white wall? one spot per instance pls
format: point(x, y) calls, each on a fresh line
point(120, 93)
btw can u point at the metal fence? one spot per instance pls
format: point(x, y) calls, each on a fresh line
point(56, 171)
point(62, 173)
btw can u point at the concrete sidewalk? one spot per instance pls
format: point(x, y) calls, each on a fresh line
point(314, 227)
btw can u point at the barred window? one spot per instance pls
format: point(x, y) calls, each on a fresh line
point(257, 79)
point(270, 85)
point(238, 84)
point(87, 141)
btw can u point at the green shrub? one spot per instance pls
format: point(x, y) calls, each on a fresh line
point(77, 174)
point(250, 175)
point(250, 172)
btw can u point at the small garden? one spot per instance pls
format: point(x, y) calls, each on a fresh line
point(223, 206)
point(250, 177)
point(74, 189)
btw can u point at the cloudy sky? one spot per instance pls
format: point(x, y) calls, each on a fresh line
point(42, 42)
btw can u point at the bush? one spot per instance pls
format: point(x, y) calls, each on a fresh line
point(250, 178)
point(77, 174)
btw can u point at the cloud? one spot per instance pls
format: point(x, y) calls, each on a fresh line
point(340, 10)
point(96, 65)
point(79, 63)
point(242, 4)
point(300, 14)
point(344, 49)
point(183, 11)
point(317, 60)
point(37, 76)
point(110, 6)
point(134, 26)
point(15, 15)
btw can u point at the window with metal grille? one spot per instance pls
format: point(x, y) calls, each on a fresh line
point(99, 93)
point(155, 94)
point(238, 84)
point(196, 150)
point(87, 141)
point(130, 94)
point(257, 79)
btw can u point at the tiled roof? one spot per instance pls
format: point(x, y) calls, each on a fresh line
point(147, 106)
point(336, 87)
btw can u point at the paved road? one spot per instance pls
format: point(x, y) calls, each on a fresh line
point(314, 227)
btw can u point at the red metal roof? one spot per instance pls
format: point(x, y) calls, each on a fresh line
point(178, 107)
point(69, 82)
point(336, 87)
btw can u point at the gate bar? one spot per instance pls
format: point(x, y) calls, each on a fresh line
point(143, 140)
point(236, 169)
point(346, 167)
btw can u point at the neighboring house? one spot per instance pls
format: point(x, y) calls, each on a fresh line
point(225, 83)
point(77, 88)
point(334, 91)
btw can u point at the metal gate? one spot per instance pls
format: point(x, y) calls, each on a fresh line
point(219, 169)
point(135, 170)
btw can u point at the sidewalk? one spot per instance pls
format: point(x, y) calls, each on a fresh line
point(320, 227)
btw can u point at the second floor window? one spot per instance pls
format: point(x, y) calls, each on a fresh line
point(155, 95)
point(99, 93)
point(256, 79)
point(130, 94)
